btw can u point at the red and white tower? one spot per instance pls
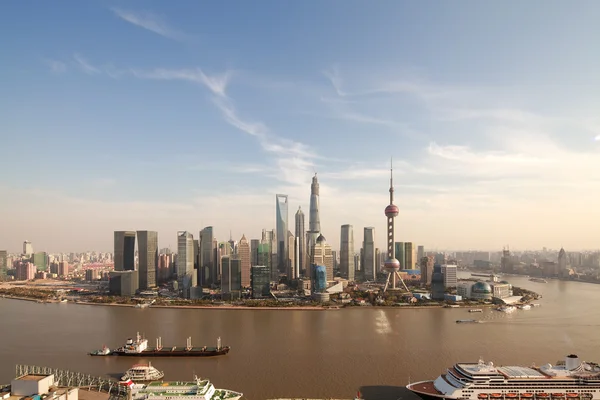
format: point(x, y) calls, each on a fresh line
point(392, 266)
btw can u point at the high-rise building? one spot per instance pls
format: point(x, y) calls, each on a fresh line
point(420, 252)
point(410, 255)
point(299, 233)
point(148, 258)
point(63, 269)
point(369, 261)
point(260, 281)
point(347, 252)
point(314, 222)
point(291, 271)
point(254, 251)
point(437, 283)
point(185, 261)
point(207, 268)
point(400, 254)
point(40, 260)
point(450, 274)
point(319, 279)
point(264, 256)
point(323, 256)
point(426, 270)
point(282, 232)
point(244, 256)
point(3, 263)
point(25, 271)
point(124, 254)
point(231, 278)
point(27, 248)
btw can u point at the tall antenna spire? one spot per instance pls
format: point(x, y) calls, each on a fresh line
point(391, 182)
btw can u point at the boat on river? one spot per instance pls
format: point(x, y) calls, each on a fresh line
point(139, 348)
point(572, 378)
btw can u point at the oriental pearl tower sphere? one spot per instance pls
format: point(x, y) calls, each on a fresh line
point(391, 265)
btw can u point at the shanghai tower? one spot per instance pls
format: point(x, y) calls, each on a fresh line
point(314, 223)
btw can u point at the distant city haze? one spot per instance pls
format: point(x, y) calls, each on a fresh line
point(489, 111)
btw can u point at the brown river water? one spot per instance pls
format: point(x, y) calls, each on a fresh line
point(310, 354)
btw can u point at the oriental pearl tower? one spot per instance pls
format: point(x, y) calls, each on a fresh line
point(392, 266)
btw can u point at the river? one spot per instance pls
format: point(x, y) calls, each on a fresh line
point(318, 354)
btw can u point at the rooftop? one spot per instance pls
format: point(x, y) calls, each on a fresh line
point(520, 372)
point(32, 377)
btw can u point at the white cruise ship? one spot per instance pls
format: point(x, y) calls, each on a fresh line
point(571, 379)
point(199, 389)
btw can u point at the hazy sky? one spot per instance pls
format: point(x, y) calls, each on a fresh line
point(169, 116)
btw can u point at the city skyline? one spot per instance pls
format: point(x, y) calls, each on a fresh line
point(494, 131)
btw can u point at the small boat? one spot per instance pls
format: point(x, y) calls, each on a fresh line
point(63, 300)
point(467, 321)
point(526, 395)
point(142, 373)
point(558, 395)
point(475, 310)
point(536, 305)
point(541, 394)
point(142, 305)
point(358, 396)
point(496, 395)
point(482, 396)
point(525, 307)
point(572, 395)
point(511, 395)
point(105, 351)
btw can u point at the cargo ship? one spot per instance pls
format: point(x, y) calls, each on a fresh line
point(571, 379)
point(139, 348)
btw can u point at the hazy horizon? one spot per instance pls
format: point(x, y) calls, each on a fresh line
point(176, 116)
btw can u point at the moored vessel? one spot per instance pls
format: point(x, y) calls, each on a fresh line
point(475, 310)
point(467, 321)
point(139, 348)
point(199, 389)
point(104, 351)
point(572, 378)
point(142, 373)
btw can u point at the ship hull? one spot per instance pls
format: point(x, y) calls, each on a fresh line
point(196, 352)
point(426, 391)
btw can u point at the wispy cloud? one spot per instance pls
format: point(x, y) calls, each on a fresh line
point(148, 21)
point(217, 84)
point(56, 66)
point(85, 65)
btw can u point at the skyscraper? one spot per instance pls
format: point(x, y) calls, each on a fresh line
point(185, 261)
point(254, 251)
point(420, 253)
point(282, 232)
point(299, 233)
point(410, 255)
point(244, 256)
point(27, 248)
point(207, 270)
point(426, 270)
point(124, 252)
point(369, 255)
point(347, 252)
point(148, 258)
point(314, 223)
point(322, 256)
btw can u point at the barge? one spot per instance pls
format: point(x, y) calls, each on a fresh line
point(139, 348)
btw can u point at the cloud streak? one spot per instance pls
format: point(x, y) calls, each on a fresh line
point(148, 21)
point(85, 65)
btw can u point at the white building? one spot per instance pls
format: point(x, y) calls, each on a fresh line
point(450, 273)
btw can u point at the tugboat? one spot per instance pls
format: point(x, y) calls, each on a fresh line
point(105, 351)
point(143, 373)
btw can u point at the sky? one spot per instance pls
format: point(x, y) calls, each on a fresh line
point(170, 116)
